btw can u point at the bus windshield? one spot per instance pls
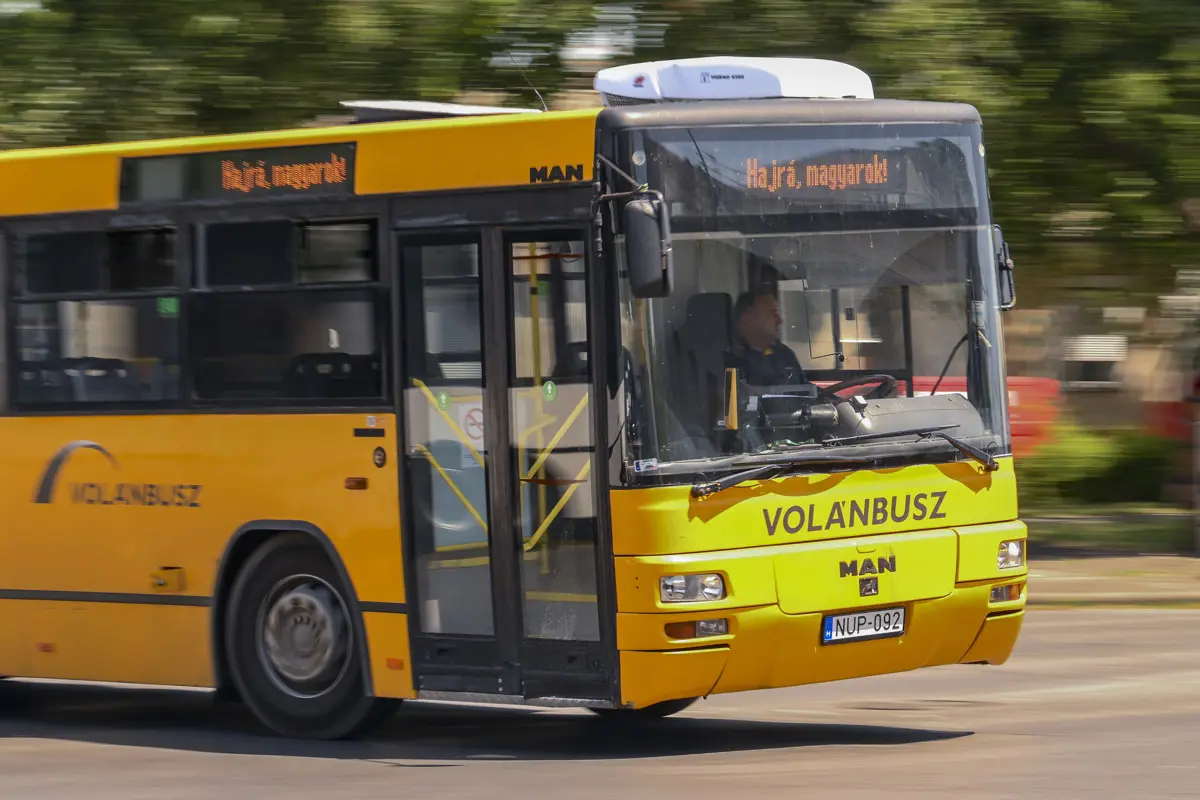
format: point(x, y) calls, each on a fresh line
point(844, 271)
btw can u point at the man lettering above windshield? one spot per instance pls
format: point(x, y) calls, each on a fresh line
point(760, 358)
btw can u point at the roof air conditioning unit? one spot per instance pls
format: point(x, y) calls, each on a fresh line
point(731, 78)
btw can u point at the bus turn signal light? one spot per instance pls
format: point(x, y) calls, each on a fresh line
point(698, 629)
point(1005, 594)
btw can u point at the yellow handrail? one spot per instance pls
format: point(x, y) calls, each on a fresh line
point(454, 488)
point(562, 431)
point(558, 507)
point(462, 437)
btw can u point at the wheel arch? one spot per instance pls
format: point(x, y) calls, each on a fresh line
point(241, 545)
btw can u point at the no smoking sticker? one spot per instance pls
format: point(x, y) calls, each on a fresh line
point(473, 424)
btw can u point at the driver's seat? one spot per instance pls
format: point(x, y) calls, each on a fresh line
point(704, 340)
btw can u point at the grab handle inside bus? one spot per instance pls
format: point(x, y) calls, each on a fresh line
point(648, 245)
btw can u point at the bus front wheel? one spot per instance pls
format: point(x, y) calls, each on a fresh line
point(293, 652)
point(657, 711)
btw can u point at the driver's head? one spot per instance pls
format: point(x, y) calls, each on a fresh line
point(757, 318)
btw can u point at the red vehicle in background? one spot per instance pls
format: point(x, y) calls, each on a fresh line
point(1174, 419)
point(1033, 405)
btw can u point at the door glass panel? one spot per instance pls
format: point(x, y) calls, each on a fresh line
point(446, 458)
point(550, 414)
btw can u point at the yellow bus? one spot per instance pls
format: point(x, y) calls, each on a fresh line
point(615, 409)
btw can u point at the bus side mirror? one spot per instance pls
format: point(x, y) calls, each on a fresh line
point(648, 246)
point(731, 399)
point(1004, 270)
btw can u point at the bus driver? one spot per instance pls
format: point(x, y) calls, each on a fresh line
point(759, 356)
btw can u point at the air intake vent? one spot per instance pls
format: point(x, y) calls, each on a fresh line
point(618, 100)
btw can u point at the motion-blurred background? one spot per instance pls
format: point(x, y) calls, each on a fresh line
point(1092, 119)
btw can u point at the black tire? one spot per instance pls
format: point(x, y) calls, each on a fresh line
point(334, 704)
point(657, 711)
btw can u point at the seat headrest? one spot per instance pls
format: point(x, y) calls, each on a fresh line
point(709, 317)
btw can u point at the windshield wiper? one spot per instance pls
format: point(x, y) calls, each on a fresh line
point(989, 463)
point(982, 456)
point(770, 470)
point(870, 437)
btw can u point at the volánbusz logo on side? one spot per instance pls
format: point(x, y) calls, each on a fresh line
point(108, 493)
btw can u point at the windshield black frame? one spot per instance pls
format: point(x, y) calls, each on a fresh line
point(879, 118)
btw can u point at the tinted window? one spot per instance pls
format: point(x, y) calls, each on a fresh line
point(250, 253)
point(97, 351)
point(141, 260)
point(554, 458)
point(93, 261)
point(59, 263)
point(552, 342)
point(284, 253)
point(288, 346)
point(337, 252)
point(444, 312)
point(447, 465)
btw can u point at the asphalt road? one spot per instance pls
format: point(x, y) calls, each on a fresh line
point(1094, 703)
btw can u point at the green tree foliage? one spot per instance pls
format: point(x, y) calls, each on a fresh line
point(1091, 107)
point(75, 71)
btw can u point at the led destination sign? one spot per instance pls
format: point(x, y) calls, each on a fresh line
point(246, 177)
point(311, 170)
point(912, 172)
point(832, 176)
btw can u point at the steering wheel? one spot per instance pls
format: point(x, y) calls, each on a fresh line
point(862, 380)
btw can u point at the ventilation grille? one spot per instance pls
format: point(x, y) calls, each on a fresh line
point(618, 100)
point(1096, 348)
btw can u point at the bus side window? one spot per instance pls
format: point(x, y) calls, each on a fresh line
point(86, 329)
point(292, 312)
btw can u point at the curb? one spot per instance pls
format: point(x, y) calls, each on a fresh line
point(1130, 599)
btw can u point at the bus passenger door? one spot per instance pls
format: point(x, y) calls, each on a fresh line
point(552, 456)
point(499, 522)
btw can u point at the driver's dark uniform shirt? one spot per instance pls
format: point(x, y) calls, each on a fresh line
point(775, 366)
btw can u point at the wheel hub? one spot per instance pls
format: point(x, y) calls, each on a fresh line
point(305, 637)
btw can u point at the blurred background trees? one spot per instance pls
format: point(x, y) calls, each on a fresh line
point(1091, 107)
point(1091, 112)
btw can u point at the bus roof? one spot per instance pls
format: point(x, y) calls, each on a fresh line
point(461, 152)
point(786, 111)
point(474, 152)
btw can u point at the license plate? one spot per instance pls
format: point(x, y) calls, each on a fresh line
point(876, 624)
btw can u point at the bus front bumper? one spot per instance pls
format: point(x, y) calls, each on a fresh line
point(766, 648)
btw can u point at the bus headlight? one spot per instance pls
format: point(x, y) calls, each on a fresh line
point(1012, 554)
point(691, 588)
